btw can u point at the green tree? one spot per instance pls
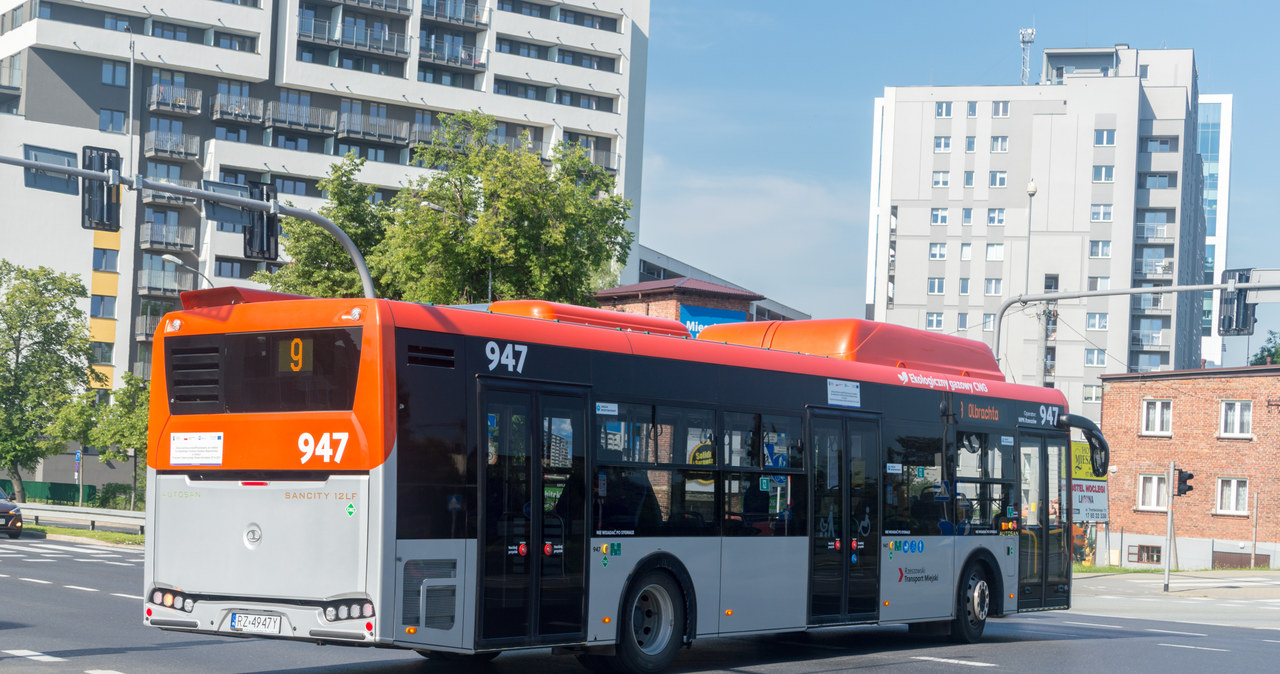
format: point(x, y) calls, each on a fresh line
point(320, 266)
point(121, 428)
point(1270, 349)
point(44, 362)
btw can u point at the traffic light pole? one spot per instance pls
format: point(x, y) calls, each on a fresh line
point(274, 206)
point(1168, 534)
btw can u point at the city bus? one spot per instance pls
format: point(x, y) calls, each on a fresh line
point(463, 481)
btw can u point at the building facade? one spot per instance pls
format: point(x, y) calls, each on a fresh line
point(275, 92)
point(1088, 181)
point(1221, 425)
point(1213, 144)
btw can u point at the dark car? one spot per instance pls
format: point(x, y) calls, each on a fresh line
point(10, 516)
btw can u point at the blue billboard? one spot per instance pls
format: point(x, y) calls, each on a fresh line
point(697, 318)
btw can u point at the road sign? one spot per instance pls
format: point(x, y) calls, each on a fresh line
point(1263, 276)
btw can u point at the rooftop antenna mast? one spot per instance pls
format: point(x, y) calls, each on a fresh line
point(1026, 36)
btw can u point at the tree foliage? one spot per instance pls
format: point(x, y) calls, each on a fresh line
point(44, 362)
point(1270, 349)
point(122, 426)
point(491, 221)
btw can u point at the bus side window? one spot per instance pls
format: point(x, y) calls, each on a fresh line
point(913, 477)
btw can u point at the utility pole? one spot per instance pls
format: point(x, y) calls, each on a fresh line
point(1168, 535)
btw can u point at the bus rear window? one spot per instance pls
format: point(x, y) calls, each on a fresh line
point(288, 371)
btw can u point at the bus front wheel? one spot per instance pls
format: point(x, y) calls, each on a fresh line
point(973, 601)
point(652, 624)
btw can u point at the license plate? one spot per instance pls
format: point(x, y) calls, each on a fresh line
point(255, 623)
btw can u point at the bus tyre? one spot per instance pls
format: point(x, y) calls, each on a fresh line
point(972, 603)
point(652, 623)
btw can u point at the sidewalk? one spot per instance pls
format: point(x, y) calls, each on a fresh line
point(1222, 584)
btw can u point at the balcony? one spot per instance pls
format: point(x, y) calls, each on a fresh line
point(517, 144)
point(397, 7)
point(456, 13)
point(144, 327)
point(421, 133)
point(155, 236)
point(166, 145)
point(606, 160)
point(1154, 268)
point(156, 197)
point(11, 78)
point(174, 100)
point(165, 283)
point(1153, 233)
point(141, 370)
point(461, 56)
point(241, 109)
point(377, 129)
point(301, 117)
point(367, 39)
point(1152, 304)
point(1148, 340)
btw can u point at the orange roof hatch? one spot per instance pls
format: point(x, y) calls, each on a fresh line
point(218, 297)
point(865, 342)
point(602, 318)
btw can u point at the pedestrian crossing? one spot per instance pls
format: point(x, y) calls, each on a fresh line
point(37, 552)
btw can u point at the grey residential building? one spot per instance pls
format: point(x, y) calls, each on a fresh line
point(1089, 180)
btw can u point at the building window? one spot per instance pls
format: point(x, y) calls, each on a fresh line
point(938, 216)
point(942, 143)
point(1233, 495)
point(972, 109)
point(995, 251)
point(933, 320)
point(966, 251)
point(289, 142)
point(1100, 213)
point(168, 31)
point(1104, 174)
point(1157, 417)
point(937, 251)
point(1099, 283)
point(1096, 321)
point(230, 133)
point(1000, 108)
point(1095, 357)
point(105, 259)
point(964, 286)
point(1237, 418)
point(1092, 393)
point(102, 306)
point(999, 179)
point(988, 322)
point(240, 42)
point(966, 216)
point(936, 285)
point(970, 143)
point(115, 74)
point(1104, 137)
point(1158, 145)
point(962, 321)
point(115, 22)
point(999, 143)
point(291, 186)
point(1153, 492)
point(101, 352)
point(993, 286)
point(995, 216)
point(1145, 554)
point(968, 180)
point(1100, 248)
point(44, 180)
point(942, 110)
point(111, 121)
point(942, 179)
point(1158, 181)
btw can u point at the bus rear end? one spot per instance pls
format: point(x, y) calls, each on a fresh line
point(265, 467)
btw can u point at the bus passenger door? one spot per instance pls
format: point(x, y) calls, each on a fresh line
point(1044, 562)
point(533, 527)
point(844, 535)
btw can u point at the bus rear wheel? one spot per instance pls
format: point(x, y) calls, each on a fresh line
point(972, 604)
point(652, 623)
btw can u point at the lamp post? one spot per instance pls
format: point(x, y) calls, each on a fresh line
point(1031, 195)
point(173, 259)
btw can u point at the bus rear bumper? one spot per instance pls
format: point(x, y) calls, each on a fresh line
point(271, 621)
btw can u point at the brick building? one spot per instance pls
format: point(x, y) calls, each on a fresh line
point(1223, 426)
point(694, 302)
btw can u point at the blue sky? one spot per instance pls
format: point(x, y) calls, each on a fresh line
point(758, 120)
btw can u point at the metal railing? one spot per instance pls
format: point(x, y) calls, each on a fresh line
point(304, 117)
point(165, 281)
point(141, 369)
point(1154, 267)
point(155, 195)
point(183, 100)
point(237, 108)
point(373, 128)
point(11, 77)
point(421, 133)
point(144, 327)
point(517, 144)
point(462, 55)
point(324, 30)
point(604, 159)
point(1148, 232)
point(393, 6)
point(167, 237)
point(94, 516)
point(1147, 338)
point(455, 11)
point(179, 145)
point(1149, 303)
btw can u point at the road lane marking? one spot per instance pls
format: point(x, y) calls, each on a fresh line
point(1272, 641)
point(77, 587)
point(33, 655)
point(101, 671)
point(117, 563)
point(126, 596)
point(35, 580)
point(951, 661)
point(1114, 627)
point(1185, 634)
point(1196, 648)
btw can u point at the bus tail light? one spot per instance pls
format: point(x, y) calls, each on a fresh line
point(348, 610)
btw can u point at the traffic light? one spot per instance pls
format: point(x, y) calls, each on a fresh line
point(1184, 481)
point(100, 201)
point(262, 234)
point(1235, 314)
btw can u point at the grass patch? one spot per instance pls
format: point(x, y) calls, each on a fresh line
point(104, 536)
point(1081, 568)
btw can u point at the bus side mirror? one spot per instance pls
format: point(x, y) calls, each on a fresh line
point(1099, 452)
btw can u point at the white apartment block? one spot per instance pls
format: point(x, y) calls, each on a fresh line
point(1090, 180)
point(276, 92)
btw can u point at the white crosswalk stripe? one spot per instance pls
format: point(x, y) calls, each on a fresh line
point(33, 655)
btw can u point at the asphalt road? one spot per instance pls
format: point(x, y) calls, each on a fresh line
point(75, 607)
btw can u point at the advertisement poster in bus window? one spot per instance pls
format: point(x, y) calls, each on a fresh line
point(1088, 492)
point(697, 318)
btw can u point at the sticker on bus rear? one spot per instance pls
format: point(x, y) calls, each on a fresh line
point(195, 449)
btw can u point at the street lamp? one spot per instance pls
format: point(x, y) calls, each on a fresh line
point(176, 261)
point(1031, 195)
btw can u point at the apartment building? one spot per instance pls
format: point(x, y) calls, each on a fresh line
point(1214, 147)
point(253, 90)
point(1090, 180)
